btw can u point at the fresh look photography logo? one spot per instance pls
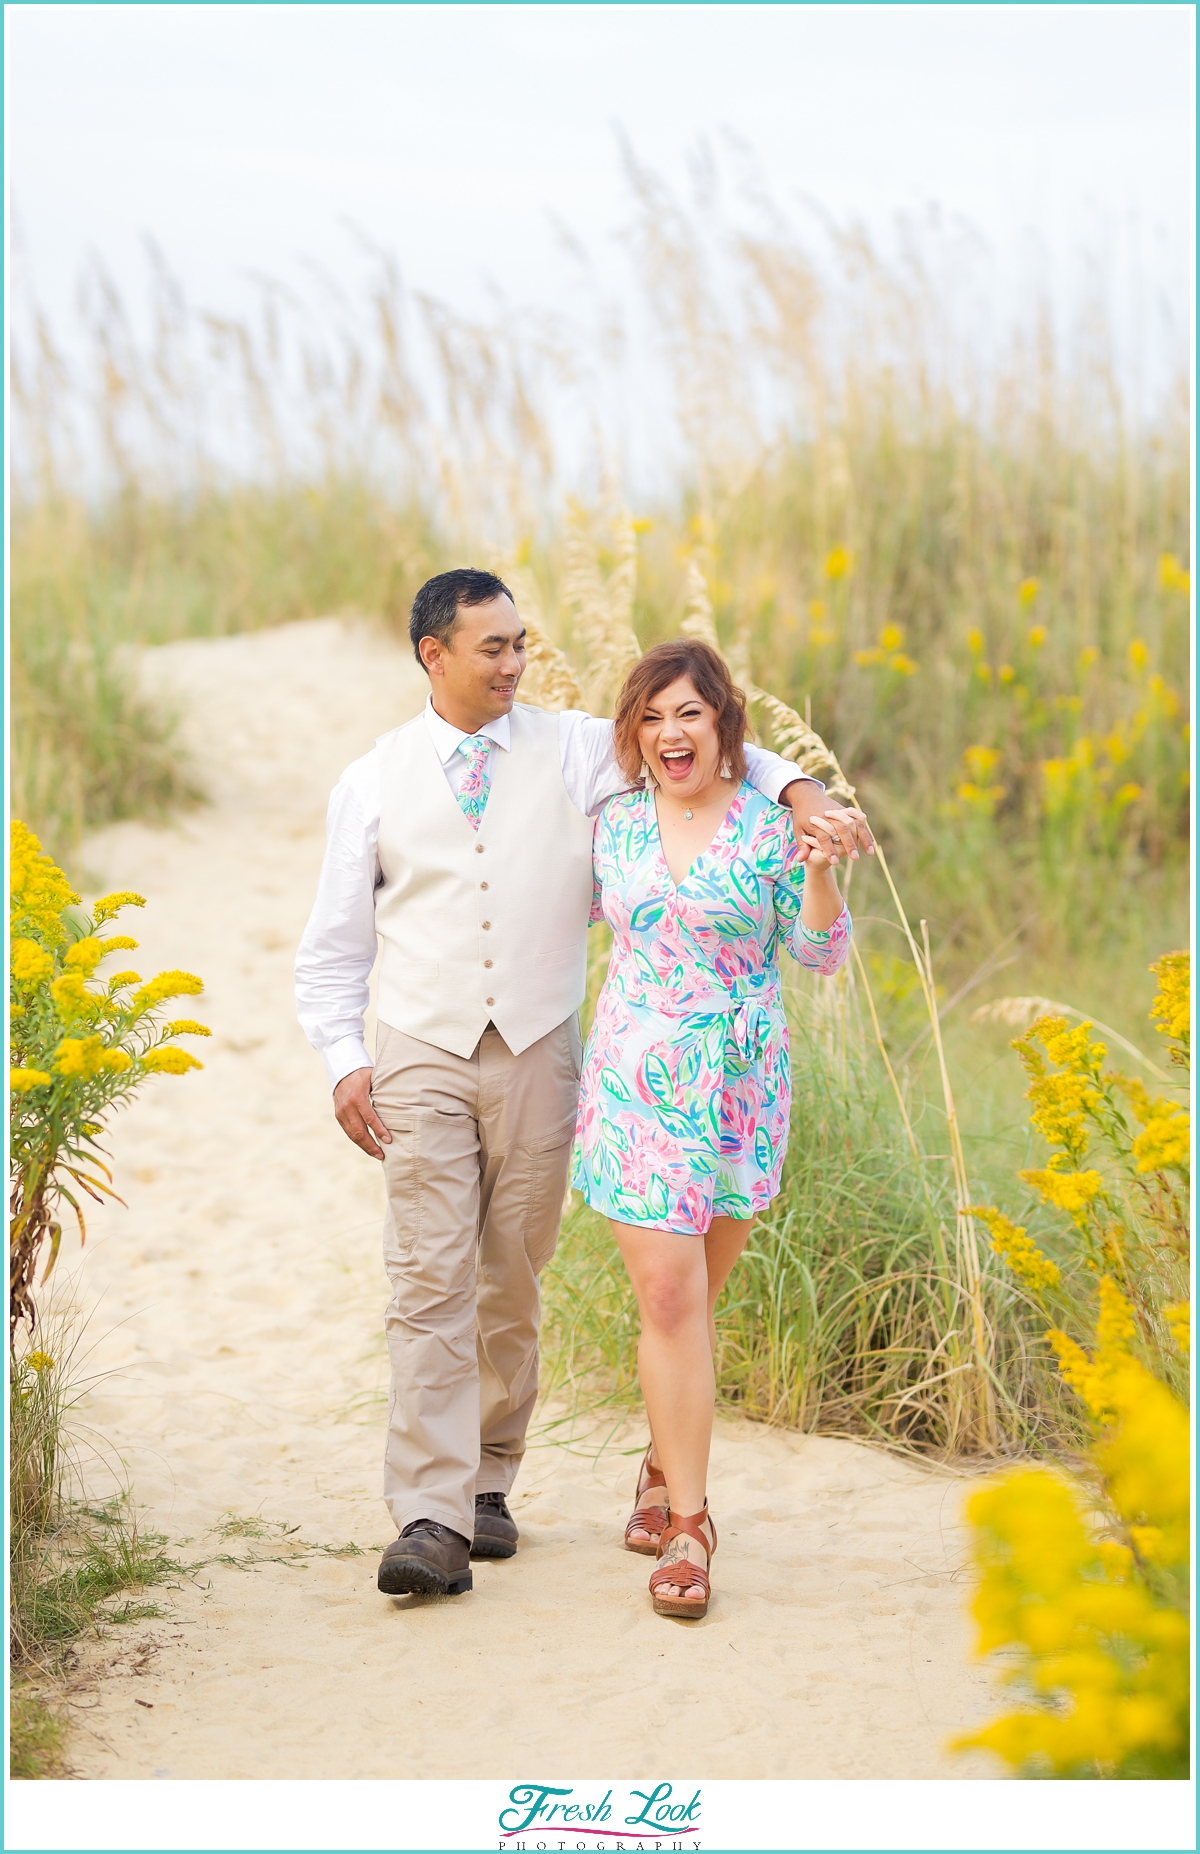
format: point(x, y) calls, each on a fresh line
point(559, 1816)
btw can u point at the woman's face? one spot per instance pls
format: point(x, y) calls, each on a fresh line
point(678, 739)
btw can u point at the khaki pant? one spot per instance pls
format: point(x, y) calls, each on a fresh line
point(476, 1174)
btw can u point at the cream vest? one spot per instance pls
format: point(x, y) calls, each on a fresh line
point(487, 926)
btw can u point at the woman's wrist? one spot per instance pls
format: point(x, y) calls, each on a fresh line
point(822, 903)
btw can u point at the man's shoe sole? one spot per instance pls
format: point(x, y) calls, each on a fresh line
point(484, 1547)
point(416, 1578)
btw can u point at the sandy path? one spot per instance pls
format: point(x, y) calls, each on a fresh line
point(240, 1301)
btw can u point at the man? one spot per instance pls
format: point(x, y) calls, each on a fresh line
point(462, 844)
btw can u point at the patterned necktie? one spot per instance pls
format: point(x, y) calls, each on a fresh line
point(473, 792)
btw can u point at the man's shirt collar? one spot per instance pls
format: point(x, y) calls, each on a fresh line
point(446, 738)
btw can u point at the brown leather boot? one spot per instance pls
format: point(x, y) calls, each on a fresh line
point(496, 1532)
point(426, 1560)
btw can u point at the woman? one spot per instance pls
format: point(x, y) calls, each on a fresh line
point(686, 1088)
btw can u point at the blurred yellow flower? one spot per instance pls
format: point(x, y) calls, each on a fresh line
point(984, 672)
point(38, 891)
point(891, 637)
point(903, 666)
point(1006, 672)
point(22, 1080)
point(1139, 656)
point(981, 760)
point(839, 563)
point(1088, 655)
point(982, 798)
point(1036, 636)
point(975, 642)
point(85, 955)
point(72, 999)
point(1179, 1319)
point(1027, 591)
point(816, 608)
point(642, 525)
point(1171, 576)
point(187, 1026)
point(1165, 1141)
point(866, 658)
point(1126, 794)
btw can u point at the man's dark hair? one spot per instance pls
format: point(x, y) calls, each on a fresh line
point(435, 608)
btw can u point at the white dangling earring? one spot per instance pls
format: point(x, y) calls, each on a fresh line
point(726, 770)
point(647, 778)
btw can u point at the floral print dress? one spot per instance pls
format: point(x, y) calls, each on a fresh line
point(686, 1086)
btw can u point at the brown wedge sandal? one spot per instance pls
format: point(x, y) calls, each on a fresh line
point(650, 1518)
point(683, 1574)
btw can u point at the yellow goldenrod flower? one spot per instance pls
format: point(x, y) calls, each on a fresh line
point(120, 980)
point(1027, 591)
point(642, 525)
point(29, 964)
point(839, 563)
point(22, 1080)
point(1013, 1246)
point(903, 666)
point(1069, 1191)
point(168, 1060)
point(984, 672)
point(866, 658)
point(891, 637)
point(1165, 1141)
point(85, 955)
point(1171, 1011)
point(1060, 1103)
point(108, 905)
point(1139, 656)
point(83, 1058)
point(39, 1362)
point(1036, 636)
point(167, 985)
point(1006, 672)
point(38, 890)
point(975, 642)
point(816, 609)
point(1179, 1320)
point(72, 999)
point(187, 1026)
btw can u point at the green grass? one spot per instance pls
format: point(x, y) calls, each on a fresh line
point(69, 1559)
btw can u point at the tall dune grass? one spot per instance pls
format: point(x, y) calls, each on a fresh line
point(969, 570)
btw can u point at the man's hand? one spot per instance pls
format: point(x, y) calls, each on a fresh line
point(355, 1115)
point(841, 830)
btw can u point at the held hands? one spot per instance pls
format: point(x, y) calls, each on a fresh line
point(355, 1115)
point(826, 833)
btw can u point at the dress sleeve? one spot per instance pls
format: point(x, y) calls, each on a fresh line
point(823, 951)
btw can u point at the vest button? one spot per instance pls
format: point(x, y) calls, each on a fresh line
point(479, 849)
point(489, 1001)
point(487, 962)
point(486, 925)
point(483, 885)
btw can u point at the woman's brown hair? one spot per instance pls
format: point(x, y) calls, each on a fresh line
point(705, 669)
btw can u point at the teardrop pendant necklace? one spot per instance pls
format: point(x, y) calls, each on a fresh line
point(688, 812)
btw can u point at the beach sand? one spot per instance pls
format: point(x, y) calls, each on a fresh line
point(235, 1308)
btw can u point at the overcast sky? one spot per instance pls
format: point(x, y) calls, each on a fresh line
point(242, 136)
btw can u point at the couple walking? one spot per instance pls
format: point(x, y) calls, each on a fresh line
point(471, 847)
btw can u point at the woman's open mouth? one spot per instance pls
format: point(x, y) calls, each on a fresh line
point(677, 763)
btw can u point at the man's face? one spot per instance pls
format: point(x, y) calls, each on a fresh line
point(475, 674)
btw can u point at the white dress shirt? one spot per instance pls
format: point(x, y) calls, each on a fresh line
point(334, 960)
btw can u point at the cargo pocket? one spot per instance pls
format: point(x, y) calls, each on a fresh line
point(551, 1160)
point(402, 1180)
